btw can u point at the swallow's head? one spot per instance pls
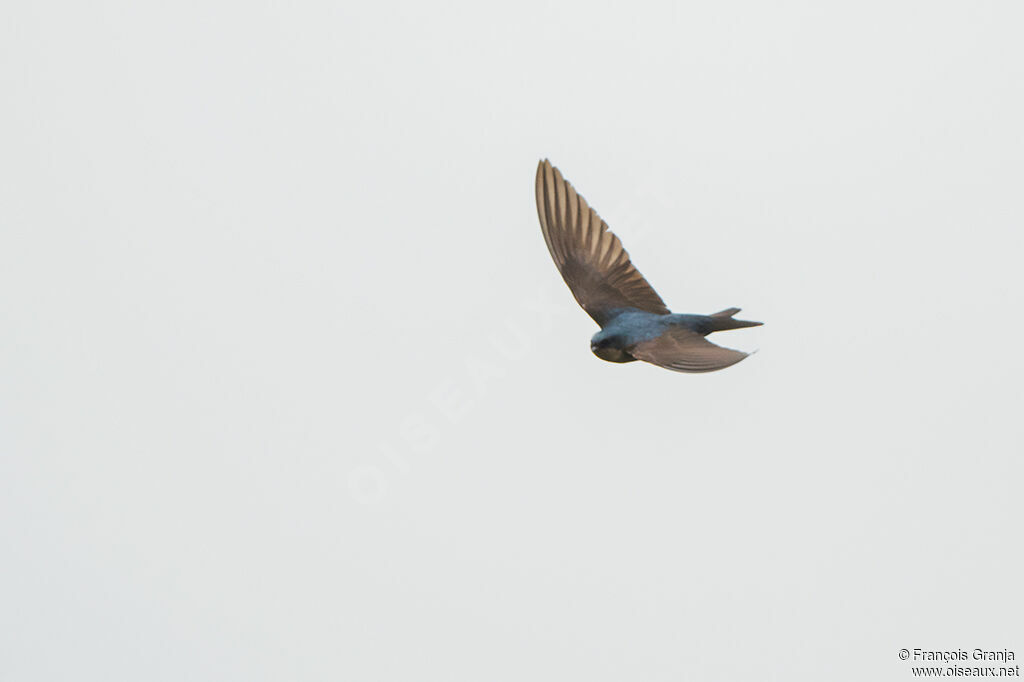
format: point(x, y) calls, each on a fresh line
point(609, 347)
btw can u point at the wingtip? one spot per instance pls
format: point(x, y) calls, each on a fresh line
point(543, 168)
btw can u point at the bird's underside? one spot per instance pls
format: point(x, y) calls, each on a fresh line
point(635, 323)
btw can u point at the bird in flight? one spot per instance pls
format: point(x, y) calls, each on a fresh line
point(635, 323)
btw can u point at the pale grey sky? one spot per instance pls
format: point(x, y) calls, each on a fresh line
point(291, 388)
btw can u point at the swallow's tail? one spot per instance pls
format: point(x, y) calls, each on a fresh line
point(723, 320)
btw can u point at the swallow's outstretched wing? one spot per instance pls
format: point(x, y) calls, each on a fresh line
point(684, 350)
point(589, 256)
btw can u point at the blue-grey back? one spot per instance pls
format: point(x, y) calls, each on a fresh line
point(634, 326)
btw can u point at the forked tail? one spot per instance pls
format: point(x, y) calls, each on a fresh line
point(723, 320)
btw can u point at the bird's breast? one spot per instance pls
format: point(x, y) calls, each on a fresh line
point(613, 354)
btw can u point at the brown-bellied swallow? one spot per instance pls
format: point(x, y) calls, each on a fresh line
point(635, 322)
